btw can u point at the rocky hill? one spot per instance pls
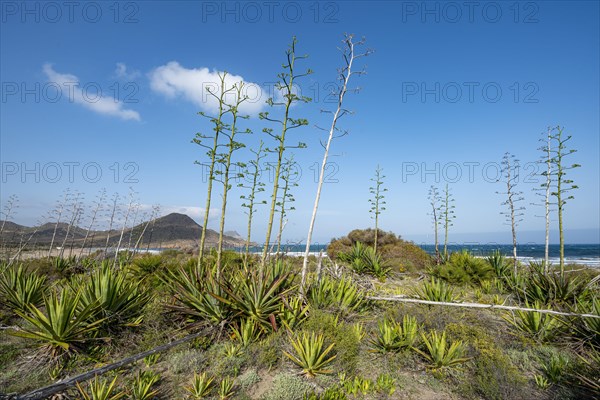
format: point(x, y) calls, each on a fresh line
point(173, 231)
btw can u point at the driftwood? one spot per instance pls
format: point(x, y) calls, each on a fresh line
point(60, 386)
point(478, 305)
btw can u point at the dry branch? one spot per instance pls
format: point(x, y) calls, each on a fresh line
point(478, 305)
point(58, 387)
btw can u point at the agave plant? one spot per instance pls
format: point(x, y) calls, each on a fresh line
point(435, 290)
point(201, 387)
point(247, 333)
point(257, 298)
point(440, 353)
point(554, 368)
point(226, 389)
point(119, 300)
point(18, 290)
point(355, 258)
point(499, 263)
point(587, 329)
point(63, 327)
point(540, 326)
point(143, 387)
point(393, 336)
point(342, 293)
point(191, 291)
point(309, 354)
point(386, 384)
point(100, 389)
point(293, 312)
point(375, 263)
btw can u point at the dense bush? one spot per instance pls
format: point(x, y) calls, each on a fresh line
point(397, 253)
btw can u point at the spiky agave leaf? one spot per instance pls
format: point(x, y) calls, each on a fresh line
point(310, 355)
point(63, 327)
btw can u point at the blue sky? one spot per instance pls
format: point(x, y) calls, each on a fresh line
point(115, 89)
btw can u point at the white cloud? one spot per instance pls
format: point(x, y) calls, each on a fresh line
point(173, 80)
point(90, 99)
point(121, 72)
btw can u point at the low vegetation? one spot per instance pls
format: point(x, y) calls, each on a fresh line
point(263, 340)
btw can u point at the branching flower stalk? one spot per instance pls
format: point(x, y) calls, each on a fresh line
point(230, 132)
point(377, 202)
point(12, 203)
point(58, 210)
point(257, 186)
point(75, 210)
point(212, 153)
point(151, 219)
point(288, 178)
point(7, 212)
point(434, 201)
point(514, 213)
point(447, 211)
point(98, 207)
point(286, 87)
point(563, 185)
point(130, 206)
point(111, 220)
point(344, 75)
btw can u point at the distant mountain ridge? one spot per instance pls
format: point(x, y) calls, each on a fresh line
point(174, 230)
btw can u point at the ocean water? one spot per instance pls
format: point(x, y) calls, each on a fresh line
point(582, 254)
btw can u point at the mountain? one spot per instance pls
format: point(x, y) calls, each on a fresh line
point(173, 231)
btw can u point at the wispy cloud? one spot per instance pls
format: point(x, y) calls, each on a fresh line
point(173, 80)
point(97, 103)
point(122, 72)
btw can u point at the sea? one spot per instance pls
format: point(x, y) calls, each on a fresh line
point(581, 254)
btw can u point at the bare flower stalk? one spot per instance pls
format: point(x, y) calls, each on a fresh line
point(344, 75)
point(58, 210)
point(255, 187)
point(75, 210)
point(99, 202)
point(511, 177)
point(114, 208)
point(130, 206)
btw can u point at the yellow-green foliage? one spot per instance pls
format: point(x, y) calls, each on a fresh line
point(492, 373)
